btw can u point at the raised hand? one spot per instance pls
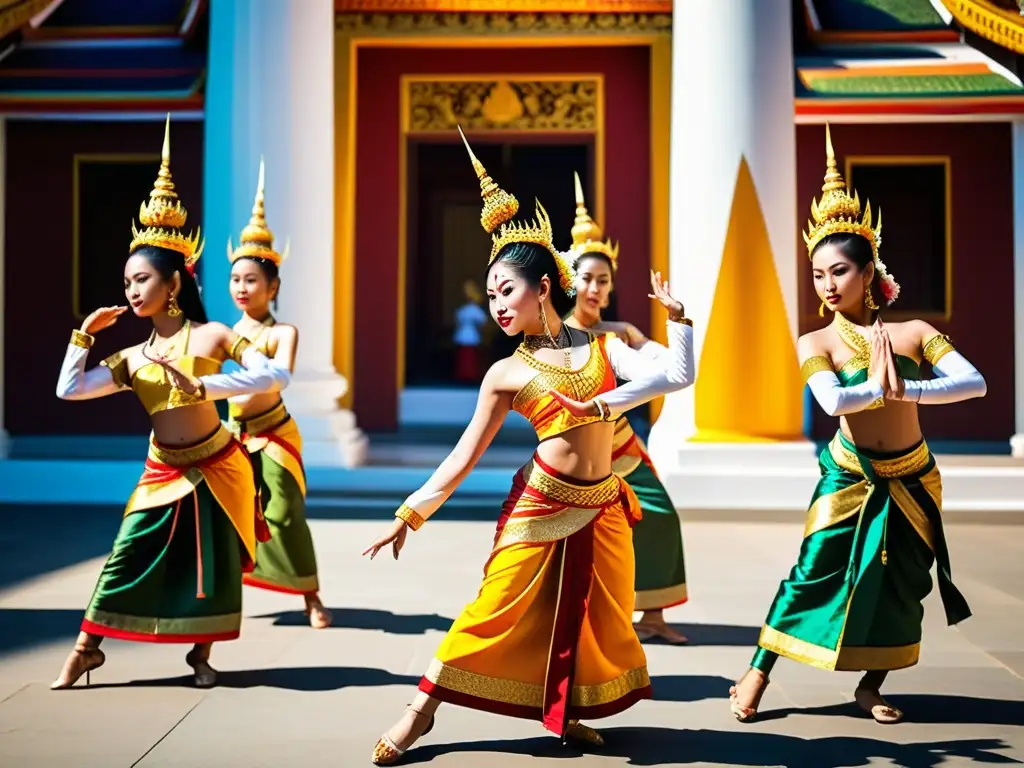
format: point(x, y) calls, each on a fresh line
point(104, 317)
point(879, 358)
point(659, 292)
point(895, 378)
point(179, 379)
point(395, 537)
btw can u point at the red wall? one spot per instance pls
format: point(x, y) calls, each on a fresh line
point(38, 267)
point(627, 188)
point(981, 322)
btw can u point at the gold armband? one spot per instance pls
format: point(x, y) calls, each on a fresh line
point(937, 346)
point(179, 398)
point(238, 349)
point(813, 365)
point(82, 339)
point(410, 517)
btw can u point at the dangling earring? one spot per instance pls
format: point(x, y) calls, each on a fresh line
point(869, 300)
point(544, 320)
point(821, 309)
point(173, 310)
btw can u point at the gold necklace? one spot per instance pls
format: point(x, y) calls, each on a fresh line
point(170, 345)
point(853, 338)
point(532, 343)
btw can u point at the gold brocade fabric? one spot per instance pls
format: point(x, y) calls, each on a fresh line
point(547, 416)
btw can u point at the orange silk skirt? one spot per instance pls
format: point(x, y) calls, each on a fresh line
point(550, 637)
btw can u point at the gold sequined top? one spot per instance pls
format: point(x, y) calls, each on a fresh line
point(544, 412)
point(151, 384)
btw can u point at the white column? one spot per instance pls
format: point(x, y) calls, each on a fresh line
point(733, 253)
point(1017, 441)
point(285, 112)
point(3, 256)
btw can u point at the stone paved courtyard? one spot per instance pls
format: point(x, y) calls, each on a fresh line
point(290, 695)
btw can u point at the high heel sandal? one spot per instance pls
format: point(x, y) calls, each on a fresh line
point(386, 752)
point(883, 713)
point(94, 659)
point(582, 734)
point(747, 714)
point(203, 675)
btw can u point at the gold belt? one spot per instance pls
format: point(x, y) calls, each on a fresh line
point(192, 454)
point(565, 492)
point(913, 461)
point(264, 422)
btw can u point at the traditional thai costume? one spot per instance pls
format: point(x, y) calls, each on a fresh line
point(657, 538)
point(191, 525)
point(549, 636)
point(874, 528)
point(287, 562)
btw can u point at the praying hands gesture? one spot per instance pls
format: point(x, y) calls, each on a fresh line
point(883, 363)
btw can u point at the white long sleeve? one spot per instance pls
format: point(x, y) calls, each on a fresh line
point(258, 375)
point(649, 376)
point(837, 400)
point(958, 380)
point(76, 383)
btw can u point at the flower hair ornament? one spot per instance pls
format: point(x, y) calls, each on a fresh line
point(496, 219)
point(838, 212)
point(163, 216)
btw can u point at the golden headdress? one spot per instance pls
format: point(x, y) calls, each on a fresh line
point(163, 217)
point(500, 207)
point(256, 240)
point(586, 233)
point(838, 212)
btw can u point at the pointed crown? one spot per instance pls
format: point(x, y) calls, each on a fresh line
point(837, 211)
point(256, 240)
point(163, 216)
point(586, 233)
point(499, 208)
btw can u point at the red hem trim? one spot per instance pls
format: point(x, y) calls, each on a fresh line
point(143, 637)
point(469, 701)
point(252, 581)
point(664, 607)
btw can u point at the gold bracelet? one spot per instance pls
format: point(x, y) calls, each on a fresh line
point(410, 517)
point(82, 339)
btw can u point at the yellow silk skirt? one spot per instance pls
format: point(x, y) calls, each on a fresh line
point(549, 637)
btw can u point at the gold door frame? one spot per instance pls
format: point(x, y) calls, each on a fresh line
point(354, 31)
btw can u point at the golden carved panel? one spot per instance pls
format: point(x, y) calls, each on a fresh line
point(519, 104)
point(471, 24)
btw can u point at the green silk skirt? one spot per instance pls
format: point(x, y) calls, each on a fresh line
point(873, 532)
point(286, 563)
point(658, 537)
point(174, 576)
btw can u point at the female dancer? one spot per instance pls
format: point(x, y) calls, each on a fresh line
point(286, 563)
point(548, 637)
point(191, 525)
point(874, 528)
point(657, 539)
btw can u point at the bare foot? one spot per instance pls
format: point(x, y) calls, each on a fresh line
point(745, 696)
point(647, 628)
point(401, 736)
point(872, 703)
point(319, 616)
point(81, 661)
